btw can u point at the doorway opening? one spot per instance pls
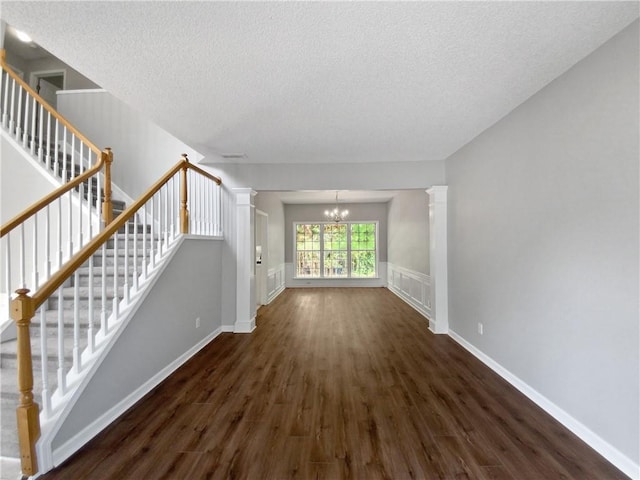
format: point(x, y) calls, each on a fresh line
point(47, 84)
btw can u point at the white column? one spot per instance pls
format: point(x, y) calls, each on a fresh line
point(439, 323)
point(245, 252)
point(3, 29)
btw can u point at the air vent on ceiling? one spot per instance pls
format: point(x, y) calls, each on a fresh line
point(234, 156)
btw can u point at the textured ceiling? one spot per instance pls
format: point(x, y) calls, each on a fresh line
point(322, 82)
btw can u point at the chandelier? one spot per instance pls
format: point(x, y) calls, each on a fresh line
point(336, 215)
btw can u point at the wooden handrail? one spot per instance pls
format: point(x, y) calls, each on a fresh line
point(202, 172)
point(57, 193)
point(44, 103)
point(23, 307)
point(75, 262)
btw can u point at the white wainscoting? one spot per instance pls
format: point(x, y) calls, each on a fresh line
point(275, 282)
point(293, 282)
point(412, 287)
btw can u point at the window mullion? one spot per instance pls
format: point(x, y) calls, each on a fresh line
point(349, 250)
point(322, 250)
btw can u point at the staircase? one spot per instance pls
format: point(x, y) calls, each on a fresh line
point(85, 280)
point(61, 166)
point(87, 274)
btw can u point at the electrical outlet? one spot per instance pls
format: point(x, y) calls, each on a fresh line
point(480, 328)
point(198, 322)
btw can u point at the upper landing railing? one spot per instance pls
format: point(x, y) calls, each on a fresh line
point(38, 240)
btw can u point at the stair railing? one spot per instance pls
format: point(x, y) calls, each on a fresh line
point(128, 252)
point(37, 241)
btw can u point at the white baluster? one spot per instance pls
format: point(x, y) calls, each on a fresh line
point(153, 229)
point(56, 150)
point(99, 199)
point(172, 210)
point(46, 397)
point(126, 263)
point(48, 147)
point(90, 335)
point(159, 199)
point(5, 106)
point(34, 106)
point(77, 367)
point(12, 110)
point(70, 223)
point(144, 241)
point(25, 133)
point(73, 156)
point(116, 311)
point(47, 241)
point(209, 207)
point(81, 197)
point(60, 254)
point(64, 153)
point(34, 266)
point(165, 188)
point(62, 380)
point(103, 310)
point(135, 252)
point(23, 283)
point(19, 122)
point(41, 132)
point(203, 206)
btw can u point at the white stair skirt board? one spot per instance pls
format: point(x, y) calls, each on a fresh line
point(600, 445)
point(52, 426)
point(99, 424)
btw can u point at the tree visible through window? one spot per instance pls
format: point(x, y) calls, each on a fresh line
point(336, 250)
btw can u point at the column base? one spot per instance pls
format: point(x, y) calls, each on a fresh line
point(245, 326)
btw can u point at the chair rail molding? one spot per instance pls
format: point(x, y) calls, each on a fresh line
point(245, 261)
point(438, 259)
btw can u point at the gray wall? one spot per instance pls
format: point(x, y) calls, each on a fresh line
point(315, 213)
point(543, 232)
point(270, 203)
point(408, 237)
point(161, 330)
point(73, 79)
point(142, 151)
point(14, 197)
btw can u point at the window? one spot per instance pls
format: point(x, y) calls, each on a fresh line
point(336, 250)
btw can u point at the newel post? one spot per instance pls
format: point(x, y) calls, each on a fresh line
point(107, 204)
point(184, 211)
point(22, 311)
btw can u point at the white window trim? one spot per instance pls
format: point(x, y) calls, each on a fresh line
point(322, 277)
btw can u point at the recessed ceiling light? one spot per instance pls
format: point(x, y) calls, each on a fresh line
point(23, 36)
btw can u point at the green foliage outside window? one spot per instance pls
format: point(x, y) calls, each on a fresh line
point(336, 250)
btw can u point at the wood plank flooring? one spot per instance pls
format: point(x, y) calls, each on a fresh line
point(335, 384)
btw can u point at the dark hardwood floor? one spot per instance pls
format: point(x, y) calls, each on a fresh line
point(335, 384)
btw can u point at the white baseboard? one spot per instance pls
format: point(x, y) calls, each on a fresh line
point(227, 328)
point(604, 448)
point(86, 434)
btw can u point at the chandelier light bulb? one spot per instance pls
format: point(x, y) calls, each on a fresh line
point(336, 215)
